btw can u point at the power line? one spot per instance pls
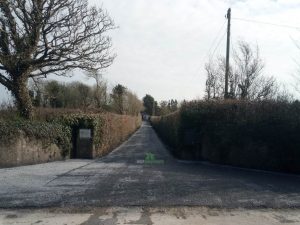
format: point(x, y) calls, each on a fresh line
point(267, 23)
point(212, 45)
point(211, 56)
point(218, 44)
point(220, 41)
point(216, 38)
point(231, 45)
point(295, 42)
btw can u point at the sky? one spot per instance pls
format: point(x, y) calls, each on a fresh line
point(163, 45)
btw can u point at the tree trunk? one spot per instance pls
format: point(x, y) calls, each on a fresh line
point(23, 100)
point(98, 97)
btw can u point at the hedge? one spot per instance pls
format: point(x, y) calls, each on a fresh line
point(49, 133)
point(260, 135)
point(109, 130)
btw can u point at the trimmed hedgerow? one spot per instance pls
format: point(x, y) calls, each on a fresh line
point(53, 133)
point(261, 135)
point(115, 130)
point(168, 129)
point(109, 130)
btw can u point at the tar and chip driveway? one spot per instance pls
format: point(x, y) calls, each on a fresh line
point(122, 180)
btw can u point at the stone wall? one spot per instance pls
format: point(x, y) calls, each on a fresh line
point(27, 151)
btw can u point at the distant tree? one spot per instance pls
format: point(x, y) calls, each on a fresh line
point(164, 108)
point(35, 93)
point(37, 101)
point(84, 95)
point(117, 96)
point(133, 105)
point(173, 105)
point(53, 94)
point(41, 37)
point(150, 105)
point(284, 94)
point(59, 95)
point(78, 95)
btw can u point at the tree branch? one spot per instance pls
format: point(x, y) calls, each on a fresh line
point(6, 82)
point(39, 37)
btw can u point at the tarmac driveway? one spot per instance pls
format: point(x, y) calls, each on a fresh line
point(124, 179)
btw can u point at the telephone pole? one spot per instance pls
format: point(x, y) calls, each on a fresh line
point(227, 53)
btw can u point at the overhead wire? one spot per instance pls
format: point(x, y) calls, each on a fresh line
point(213, 44)
point(216, 38)
point(220, 41)
point(267, 23)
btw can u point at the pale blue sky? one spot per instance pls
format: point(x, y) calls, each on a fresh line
point(162, 45)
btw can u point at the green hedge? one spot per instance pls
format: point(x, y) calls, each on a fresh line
point(49, 133)
point(168, 129)
point(77, 121)
point(261, 135)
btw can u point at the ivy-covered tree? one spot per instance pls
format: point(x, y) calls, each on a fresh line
point(41, 37)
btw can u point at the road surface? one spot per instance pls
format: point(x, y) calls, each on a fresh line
point(123, 179)
point(151, 216)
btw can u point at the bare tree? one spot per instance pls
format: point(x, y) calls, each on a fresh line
point(100, 91)
point(249, 67)
point(39, 37)
point(133, 106)
point(210, 85)
point(95, 74)
point(245, 76)
point(263, 88)
point(284, 94)
point(215, 70)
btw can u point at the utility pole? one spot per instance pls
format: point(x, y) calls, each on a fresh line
point(227, 53)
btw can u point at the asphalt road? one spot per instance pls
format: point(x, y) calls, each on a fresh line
point(122, 179)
